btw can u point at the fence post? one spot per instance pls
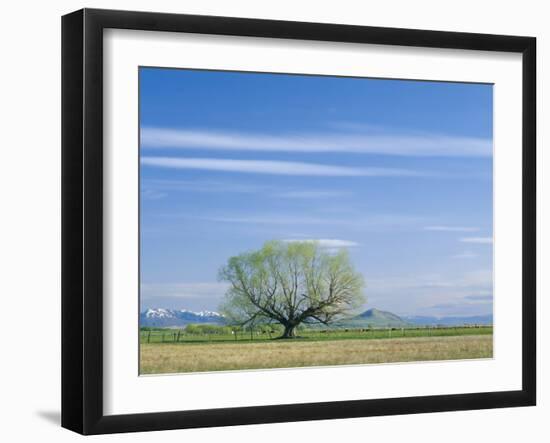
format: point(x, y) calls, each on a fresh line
point(149, 337)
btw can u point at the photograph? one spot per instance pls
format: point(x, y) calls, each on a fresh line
point(293, 220)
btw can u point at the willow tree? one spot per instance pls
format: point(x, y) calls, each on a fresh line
point(290, 283)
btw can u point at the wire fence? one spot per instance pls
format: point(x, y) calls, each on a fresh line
point(225, 334)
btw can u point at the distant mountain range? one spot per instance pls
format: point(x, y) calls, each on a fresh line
point(372, 318)
point(376, 318)
point(451, 321)
point(160, 317)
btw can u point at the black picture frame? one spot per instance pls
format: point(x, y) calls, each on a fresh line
point(82, 218)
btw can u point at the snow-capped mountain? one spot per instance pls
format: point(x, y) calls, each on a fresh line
point(172, 317)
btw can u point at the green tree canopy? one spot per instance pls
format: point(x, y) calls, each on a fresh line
point(290, 283)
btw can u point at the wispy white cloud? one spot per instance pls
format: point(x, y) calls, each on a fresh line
point(479, 303)
point(151, 194)
point(155, 188)
point(361, 143)
point(331, 243)
point(469, 293)
point(482, 279)
point(183, 290)
point(460, 309)
point(361, 127)
point(310, 194)
point(451, 228)
point(271, 219)
point(464, 255)
point(194, 296)
point(164, 185)
point(479, 240)
point(483, 298)
point(368, 222)
point(275, 167)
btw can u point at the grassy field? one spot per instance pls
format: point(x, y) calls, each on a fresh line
point(315, 349)
point(166, 335)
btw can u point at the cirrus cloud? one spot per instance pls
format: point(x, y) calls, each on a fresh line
point(275, 167)
point(478, 240)
point(451, 228)
point(359, 143)
point(331, 243)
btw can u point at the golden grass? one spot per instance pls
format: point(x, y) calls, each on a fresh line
point(173, 358)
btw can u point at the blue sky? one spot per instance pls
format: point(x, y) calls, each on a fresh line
point(398, 172)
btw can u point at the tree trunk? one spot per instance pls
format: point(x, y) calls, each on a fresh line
point(290, 331)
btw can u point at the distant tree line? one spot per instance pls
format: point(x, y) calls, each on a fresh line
point(207, 329)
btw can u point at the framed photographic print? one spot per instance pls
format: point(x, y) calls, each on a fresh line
point(269, 221)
